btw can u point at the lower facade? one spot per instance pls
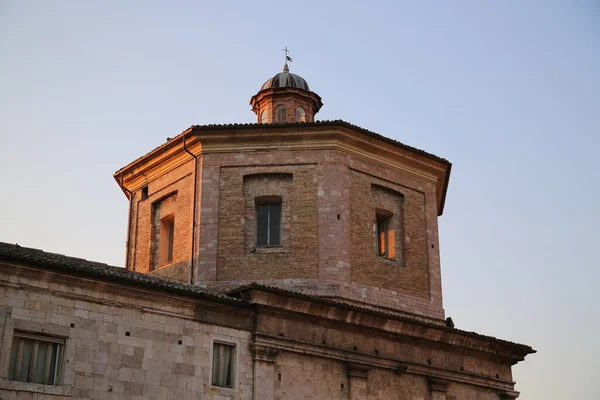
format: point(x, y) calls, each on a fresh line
point(71, 329)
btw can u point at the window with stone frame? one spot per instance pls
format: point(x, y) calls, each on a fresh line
point(36, 358)
point(223, 365)
point(268, 221)
point(280, 114)
point(267, 197)
point(264, 117)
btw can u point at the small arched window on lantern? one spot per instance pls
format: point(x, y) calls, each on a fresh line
point(300, 114)
point(280, 114)
point(263, 117)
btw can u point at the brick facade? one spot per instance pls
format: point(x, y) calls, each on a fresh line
point(330, 194)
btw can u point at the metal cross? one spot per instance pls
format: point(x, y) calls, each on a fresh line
point(286, 53)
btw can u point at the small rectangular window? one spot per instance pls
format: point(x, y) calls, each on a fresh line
point(166, 240)
point(268, 223)
point(144, 192)
point(223, 365)
point(385, 235)
point(35, 358)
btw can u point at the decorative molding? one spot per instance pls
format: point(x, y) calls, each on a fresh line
point(401, 369)
point(379, 362)
point(506, 395)
point(164, 159)
point(264, 353)
point(437, 384)
point(355, 370)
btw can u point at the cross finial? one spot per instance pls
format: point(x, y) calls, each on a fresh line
point(287, 58)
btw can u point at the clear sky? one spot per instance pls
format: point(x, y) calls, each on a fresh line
point(508, 91)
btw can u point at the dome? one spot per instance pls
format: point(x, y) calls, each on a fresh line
point(285, 79)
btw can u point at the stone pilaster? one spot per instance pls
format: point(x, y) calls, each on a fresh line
point(357, 381)
point(264, 372)
point(437, 388)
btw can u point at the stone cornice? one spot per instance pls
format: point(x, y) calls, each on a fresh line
point(357, 364)
point(357, 370)
point(264, 353)
point(311, 137)
point(387, 324)
point(437, 384)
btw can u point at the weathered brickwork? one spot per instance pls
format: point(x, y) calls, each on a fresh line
point(239, 257)
point(328, 245)
point(162, 208)
point(410, 273)
point(300, 377)
point(175, 188)
point(382, 384)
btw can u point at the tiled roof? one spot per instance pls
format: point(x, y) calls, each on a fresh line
point(79, 266)
point(289, 293)
point(338, 122)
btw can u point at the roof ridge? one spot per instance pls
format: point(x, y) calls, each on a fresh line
point(80, 266)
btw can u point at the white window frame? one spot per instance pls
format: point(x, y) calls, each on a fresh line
point(59, 361)
point(227, 390)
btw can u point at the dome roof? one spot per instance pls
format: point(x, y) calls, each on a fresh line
point(285, 79)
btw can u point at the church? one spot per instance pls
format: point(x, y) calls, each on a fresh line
point(284, 259)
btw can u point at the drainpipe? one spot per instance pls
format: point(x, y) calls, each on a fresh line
point(130, 195)
point(194, 209)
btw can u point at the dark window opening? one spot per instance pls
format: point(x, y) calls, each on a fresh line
point(268, 221)
point(144, 192)
point(385, 235)
point(166, 240)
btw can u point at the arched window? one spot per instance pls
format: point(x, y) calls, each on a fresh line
point(280, 114)
point(263, 117)
point(300, 114)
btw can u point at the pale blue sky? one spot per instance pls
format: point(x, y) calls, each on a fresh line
point(508, 91)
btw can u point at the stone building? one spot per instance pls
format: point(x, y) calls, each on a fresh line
point(286, 259)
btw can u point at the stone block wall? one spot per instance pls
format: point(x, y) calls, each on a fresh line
point(126, 346)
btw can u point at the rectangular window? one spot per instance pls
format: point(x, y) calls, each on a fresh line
point(268, 223)
point(35, 358)
point(223, 366)
point(385, 234)
point(166, 240)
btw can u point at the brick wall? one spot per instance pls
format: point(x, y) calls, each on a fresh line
point(328, 232)
point(175, 188)
point(238, 256)
point(409, 272)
